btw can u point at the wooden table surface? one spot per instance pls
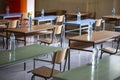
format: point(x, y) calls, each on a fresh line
point(26, 31)
point(96, 37)
point(34, 28)
point(85, 41)
point(115, 18)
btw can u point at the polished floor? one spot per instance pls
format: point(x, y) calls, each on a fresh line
point(16, 71)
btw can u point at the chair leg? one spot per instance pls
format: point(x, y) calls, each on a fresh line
point(64, 65)
point(24, 66)
point(33, 77)
point(3, 43)
point(40, 43)
point(61, 42)
point(101, 51)
point(60, 67)
point(101, 55)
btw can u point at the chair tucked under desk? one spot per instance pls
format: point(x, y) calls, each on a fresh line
point(3, 25)
point(98, 25)
point(46, 72)
point(54, 38)
point(58, 23)
point(111, 50)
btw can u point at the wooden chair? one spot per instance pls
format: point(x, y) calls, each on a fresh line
point(57, 31)
point(3, 36)
point(98, 25)
point(58, 22)
point(10, 24)
point(54, 38)
point(13, 23)
point(47, 72)
point(111, 50)
point(24, 19)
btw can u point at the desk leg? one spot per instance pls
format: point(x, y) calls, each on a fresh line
point(63, 34)
point(79, 29)
point(100, 57)
point(34, 63)
point(24, 40)
point(103, 21)
point(69, 57)
point(7, 40)
point(37, 22)
point(24, 45)
point(69, 60)
point(51, 22)
point(24, 66)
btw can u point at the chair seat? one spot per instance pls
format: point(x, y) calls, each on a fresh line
point(49, 41)
point(3, 34)
point(47, 72)
point(3, 26)
point(44, 71)
point(109, 50)
point(45, 32)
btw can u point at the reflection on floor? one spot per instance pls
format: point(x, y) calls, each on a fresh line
point(16, 72)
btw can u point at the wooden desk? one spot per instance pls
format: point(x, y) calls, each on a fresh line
point(73, 16)
point(3, 26)
point(4, 23)
point(96, 37)
point(25, 31)
point(45, 18)
point(84, 41)
point(115, 18)
point(11, 15)
point(8, 57)
point(82, 24)
point(107, 69)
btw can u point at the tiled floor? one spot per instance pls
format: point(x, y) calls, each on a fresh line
point(16, 72)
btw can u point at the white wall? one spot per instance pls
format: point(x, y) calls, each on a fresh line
point(31, 6)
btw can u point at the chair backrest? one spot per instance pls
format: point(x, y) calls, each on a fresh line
point(118, 41)
point(60, 19)
point(59, 56)
point(58, 29)
point(13, 23)
point(24, 15)
point(98, 22)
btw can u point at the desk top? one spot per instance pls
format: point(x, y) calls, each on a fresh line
point(117, 16)
point(75, 14)
point(81, 22)
point(45, 18)
point(8, 57)
point(11, 15)
point(35, 28)
point(96, 37)
point(107, 69)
